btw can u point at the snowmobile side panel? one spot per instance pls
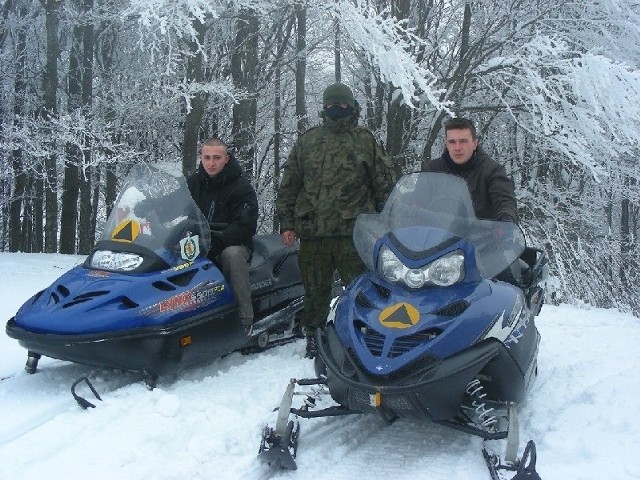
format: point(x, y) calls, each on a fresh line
point(155, 350)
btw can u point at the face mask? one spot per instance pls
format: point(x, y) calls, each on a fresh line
point(335, 112)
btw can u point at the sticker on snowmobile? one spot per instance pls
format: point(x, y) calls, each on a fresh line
point(189, 247)
point(98, 273)
point(126, 231)
point(182, 266)
point(400, 315)
point(200, 296)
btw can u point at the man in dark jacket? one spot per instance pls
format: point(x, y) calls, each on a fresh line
point(229, 202)
point(492, 191)
point(334, 172)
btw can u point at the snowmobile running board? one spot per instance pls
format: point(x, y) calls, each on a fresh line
point(260, 332)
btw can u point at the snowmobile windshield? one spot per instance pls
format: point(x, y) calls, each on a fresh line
point(442, 201)
point(155, 210)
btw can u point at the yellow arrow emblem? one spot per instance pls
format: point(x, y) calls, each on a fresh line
point(400, 315)
point(126, 231)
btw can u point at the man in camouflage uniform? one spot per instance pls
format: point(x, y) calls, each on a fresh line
point(334, 172)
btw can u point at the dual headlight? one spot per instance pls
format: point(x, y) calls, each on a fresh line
point(115, 261)
point(443, 272)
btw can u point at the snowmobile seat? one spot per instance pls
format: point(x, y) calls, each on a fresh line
point(273, 264)
point(265, 247)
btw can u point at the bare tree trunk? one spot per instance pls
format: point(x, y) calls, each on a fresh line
point(38, 217)
point(244, 63)
point(626, 240)
point(398, 114)
point(106, 50)
point(277, 127)
point(193, 119)
point(86, 237)
point(19, 186)
point(301, 68)
point(337, 62)
point(50, 89)
point(71, 182)
point(375, 101)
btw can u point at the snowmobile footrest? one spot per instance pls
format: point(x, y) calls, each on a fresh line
point(335, 411)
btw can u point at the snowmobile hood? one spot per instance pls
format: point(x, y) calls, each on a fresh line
point(93, 301)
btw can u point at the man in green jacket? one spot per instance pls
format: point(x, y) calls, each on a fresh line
point(334, 172)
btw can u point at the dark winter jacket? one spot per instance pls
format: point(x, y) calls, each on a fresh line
point(227, 198)
point(492, 190)
point(333, 173)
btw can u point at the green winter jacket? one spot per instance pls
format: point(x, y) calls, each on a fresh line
point(333, 173)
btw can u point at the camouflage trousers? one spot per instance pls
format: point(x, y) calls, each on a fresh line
point(319, 258)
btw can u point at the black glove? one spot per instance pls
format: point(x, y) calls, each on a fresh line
point(217, 245)
point(143, 207)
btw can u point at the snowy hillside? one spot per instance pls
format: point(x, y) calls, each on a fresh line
point(207, 423)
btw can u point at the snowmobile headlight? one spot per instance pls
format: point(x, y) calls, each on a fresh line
point(115, 261)
point(415, 278)
point(447, 270)
point(443, 272)
point(389, 266)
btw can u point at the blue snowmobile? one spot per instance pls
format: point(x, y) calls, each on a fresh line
point(147, 299)
point(440, 328)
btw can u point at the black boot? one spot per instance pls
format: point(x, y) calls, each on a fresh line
point(312, 346)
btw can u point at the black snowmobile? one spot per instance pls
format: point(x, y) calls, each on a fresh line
point(440, 328)
point(147, 299)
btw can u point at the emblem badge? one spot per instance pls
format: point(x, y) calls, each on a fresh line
point(189, 247)
point(400, 315)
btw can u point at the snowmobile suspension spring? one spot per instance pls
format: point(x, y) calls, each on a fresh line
point(475, 389)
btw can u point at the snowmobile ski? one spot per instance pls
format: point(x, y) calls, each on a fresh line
point(524, 468)
point(279, 445)
point(83, 402)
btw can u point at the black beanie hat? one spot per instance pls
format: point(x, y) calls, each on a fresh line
point(338, 93)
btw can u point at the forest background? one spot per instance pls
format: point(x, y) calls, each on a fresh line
point(91, 87)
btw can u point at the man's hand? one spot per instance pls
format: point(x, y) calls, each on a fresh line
point(143, 208)
point(217, 245)
point(288, 237)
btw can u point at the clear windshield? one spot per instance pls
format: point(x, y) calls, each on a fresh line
point(155, 210)
point(442, 201)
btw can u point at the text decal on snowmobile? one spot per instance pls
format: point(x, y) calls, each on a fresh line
point(400, 315)
point(126, 231)
point(200, 296)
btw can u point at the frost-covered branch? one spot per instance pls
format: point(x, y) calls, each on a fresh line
point(388, 43)
point(581, 103)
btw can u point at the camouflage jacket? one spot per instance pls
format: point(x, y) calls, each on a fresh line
point(333, 173)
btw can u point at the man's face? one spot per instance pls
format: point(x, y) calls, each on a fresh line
point(213, 159)
point(460, 145)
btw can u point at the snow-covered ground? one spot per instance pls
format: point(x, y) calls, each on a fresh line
point(206, 423)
